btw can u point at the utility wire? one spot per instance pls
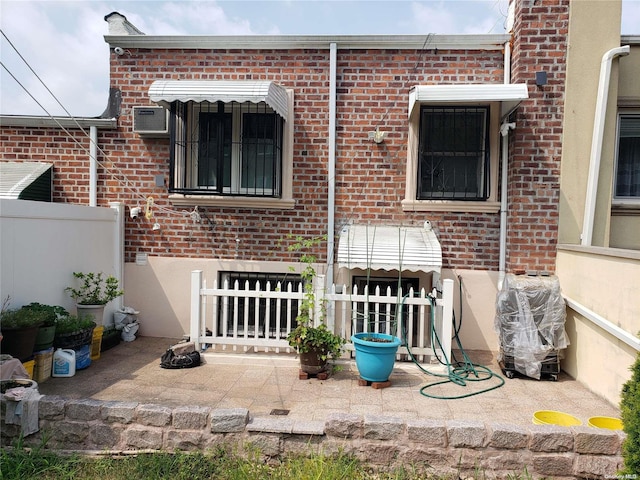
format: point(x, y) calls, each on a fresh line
point(122, 180)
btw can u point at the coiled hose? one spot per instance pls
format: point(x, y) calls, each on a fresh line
point(460, 372)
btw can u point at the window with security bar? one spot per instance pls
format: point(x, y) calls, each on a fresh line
point(274, 315)
point(453, 154)
point(226, 149)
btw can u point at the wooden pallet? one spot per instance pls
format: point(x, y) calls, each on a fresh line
point(377, 385)
point(302, 375)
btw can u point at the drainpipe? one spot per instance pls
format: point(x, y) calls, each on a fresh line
point(504, 132)
point(596, 144)
point(502, 264)
point(331, 197)
point(93, 166)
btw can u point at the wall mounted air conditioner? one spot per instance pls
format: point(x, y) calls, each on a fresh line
point(151, 121)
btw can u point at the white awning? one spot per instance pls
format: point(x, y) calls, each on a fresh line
point(164, 92)
point(389, 248)
point(25, 180)
point(510, 95)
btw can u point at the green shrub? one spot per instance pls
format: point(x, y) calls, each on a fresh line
point(50, 313)
point(630, 410)
point(94, 289)
point(72, 323)
point(12, 319)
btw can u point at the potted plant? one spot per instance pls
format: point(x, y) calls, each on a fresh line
point(74, 332)
point(19, 329)
point(94, 292)
point(313, 341)
point(50, 315)
point(110, 338)
point(376, 354)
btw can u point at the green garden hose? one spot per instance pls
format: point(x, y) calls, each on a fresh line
point(460, 372)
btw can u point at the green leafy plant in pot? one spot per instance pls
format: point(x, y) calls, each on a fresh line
point(50, 315)
point(19, 330)
point(74, 331)
point(313, 340)
point(93, 293)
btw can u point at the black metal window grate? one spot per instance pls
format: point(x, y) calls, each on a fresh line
point(264, 330)
point(226, 149)
point(453, 154)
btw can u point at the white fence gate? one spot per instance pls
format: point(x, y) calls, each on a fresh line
point(259, 316)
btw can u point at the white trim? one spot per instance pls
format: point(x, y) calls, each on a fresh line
point(57, 122)
point(265, 203)
point(603, 323)
point(409, 205)
point(323, 42)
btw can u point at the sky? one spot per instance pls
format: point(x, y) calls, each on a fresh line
point(63, 41)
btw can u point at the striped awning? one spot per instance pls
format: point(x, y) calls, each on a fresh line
point(26, 180)
point(509, 95)
point(415, 249)
point(165, 92)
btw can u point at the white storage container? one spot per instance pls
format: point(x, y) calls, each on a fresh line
point(64, 363)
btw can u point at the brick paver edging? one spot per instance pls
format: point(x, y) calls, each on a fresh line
point(441, 447)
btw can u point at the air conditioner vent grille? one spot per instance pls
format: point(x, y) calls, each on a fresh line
point(150, 121)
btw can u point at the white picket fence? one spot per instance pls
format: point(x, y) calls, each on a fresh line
point(237, 317)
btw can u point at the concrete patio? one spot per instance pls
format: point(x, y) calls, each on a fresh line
point(268, 384)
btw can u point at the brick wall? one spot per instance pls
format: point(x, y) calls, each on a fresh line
point(539, 44)
point(230, 233)
point(68, 152)
point(372, 90)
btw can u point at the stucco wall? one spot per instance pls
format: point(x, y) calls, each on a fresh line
point(160, 291)
point(607, 283)
point(594, 29)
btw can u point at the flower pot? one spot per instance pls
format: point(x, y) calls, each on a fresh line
point(375, 358)
point(94, 311)
point(312, 362)
point(110, 340)
point(44, 338)
point(73, 340)
point(19, 342)
point(16, 383)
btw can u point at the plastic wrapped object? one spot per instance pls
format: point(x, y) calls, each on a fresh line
point(530, 319)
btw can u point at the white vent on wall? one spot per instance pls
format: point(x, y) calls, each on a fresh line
point(151, 121)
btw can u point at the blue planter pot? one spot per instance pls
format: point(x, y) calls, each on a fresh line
point(375, 359)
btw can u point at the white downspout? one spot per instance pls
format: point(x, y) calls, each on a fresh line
point(504, 132)
point(504, 205)
point(596, 144)
point(331, 196)
point(93, 166)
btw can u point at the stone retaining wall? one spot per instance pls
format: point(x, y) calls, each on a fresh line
point(437, 446)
